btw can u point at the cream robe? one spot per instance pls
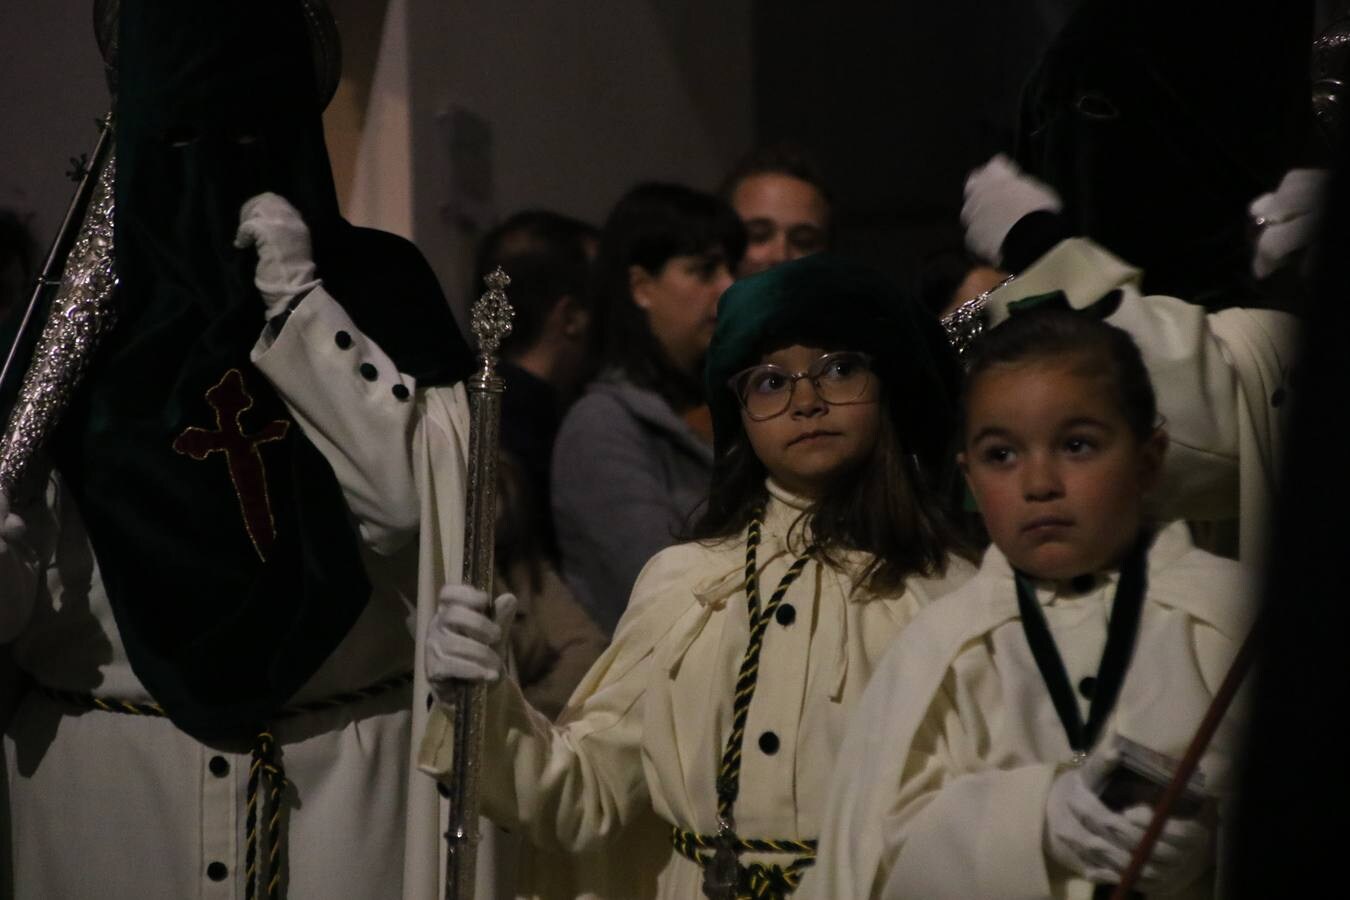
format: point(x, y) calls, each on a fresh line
point(639, 746)
point(112, 806)
point(940, 787)
point(1222, 381)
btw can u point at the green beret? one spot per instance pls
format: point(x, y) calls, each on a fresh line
point(825, 301)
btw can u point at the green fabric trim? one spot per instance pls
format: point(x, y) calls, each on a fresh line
point(1048, 300)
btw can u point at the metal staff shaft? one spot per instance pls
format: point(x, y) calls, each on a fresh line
point(490, 322)
point(65, 237)
point(81, 313)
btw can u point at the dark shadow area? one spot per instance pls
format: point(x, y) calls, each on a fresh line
point(899, 101)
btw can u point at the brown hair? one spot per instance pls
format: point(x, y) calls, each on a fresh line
point(1041, 334)
point(650, 225)
point(783, 158)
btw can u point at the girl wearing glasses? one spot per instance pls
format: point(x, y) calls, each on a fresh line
point(693, 758)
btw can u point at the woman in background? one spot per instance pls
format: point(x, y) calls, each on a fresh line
point(634, 454)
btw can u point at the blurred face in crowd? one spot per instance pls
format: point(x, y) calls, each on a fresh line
point(808, 431)
point(1057, 471)
point(785, 218)
point(681, 303)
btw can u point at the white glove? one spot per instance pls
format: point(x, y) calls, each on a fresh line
point(12, 528)
point(285, 260)
point(462, 640)
point(1081, 834)
point(1183, 852)
point(998, 194)
point(1288, 218)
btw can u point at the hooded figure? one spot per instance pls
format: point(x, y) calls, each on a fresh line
point(231, 583)
point(221, 652)
point(1157, 123)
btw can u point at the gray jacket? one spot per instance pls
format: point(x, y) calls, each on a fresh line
point(627, 471)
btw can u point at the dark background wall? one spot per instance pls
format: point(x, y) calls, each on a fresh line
point(51, 92)
point(898, 101)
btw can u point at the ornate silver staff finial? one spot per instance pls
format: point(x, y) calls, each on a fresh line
point(965, 324)
point(490, 319)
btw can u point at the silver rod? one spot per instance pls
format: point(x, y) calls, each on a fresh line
point(490, 322)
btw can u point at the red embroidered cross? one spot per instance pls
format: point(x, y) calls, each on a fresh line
point(230, 400)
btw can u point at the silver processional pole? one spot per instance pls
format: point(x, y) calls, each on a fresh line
point(490, 322)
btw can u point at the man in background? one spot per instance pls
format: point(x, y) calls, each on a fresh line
point(780, 194)
point(547, 256)
point(544, 364)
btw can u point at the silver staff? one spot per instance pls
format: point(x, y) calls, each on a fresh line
point(490, 321)
point(81, 313)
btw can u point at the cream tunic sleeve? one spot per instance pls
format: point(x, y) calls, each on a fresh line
point(400, 457)
point(960, 829)
point(914, 809)
point(355, 407)
point(573, 784)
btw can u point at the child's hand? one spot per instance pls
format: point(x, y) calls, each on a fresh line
point(1183, 852)
point(1081, 833)
point(461, 638)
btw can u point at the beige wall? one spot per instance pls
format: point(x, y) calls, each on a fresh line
point(360, 23)
point(582, 99)
point(586, 98)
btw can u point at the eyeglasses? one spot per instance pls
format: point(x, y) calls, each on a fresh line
point(766, 391)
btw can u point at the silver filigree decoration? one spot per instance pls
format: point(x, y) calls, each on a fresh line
point(964, 325)
point(81, 314)
point(490, 319)
point(967, 322)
